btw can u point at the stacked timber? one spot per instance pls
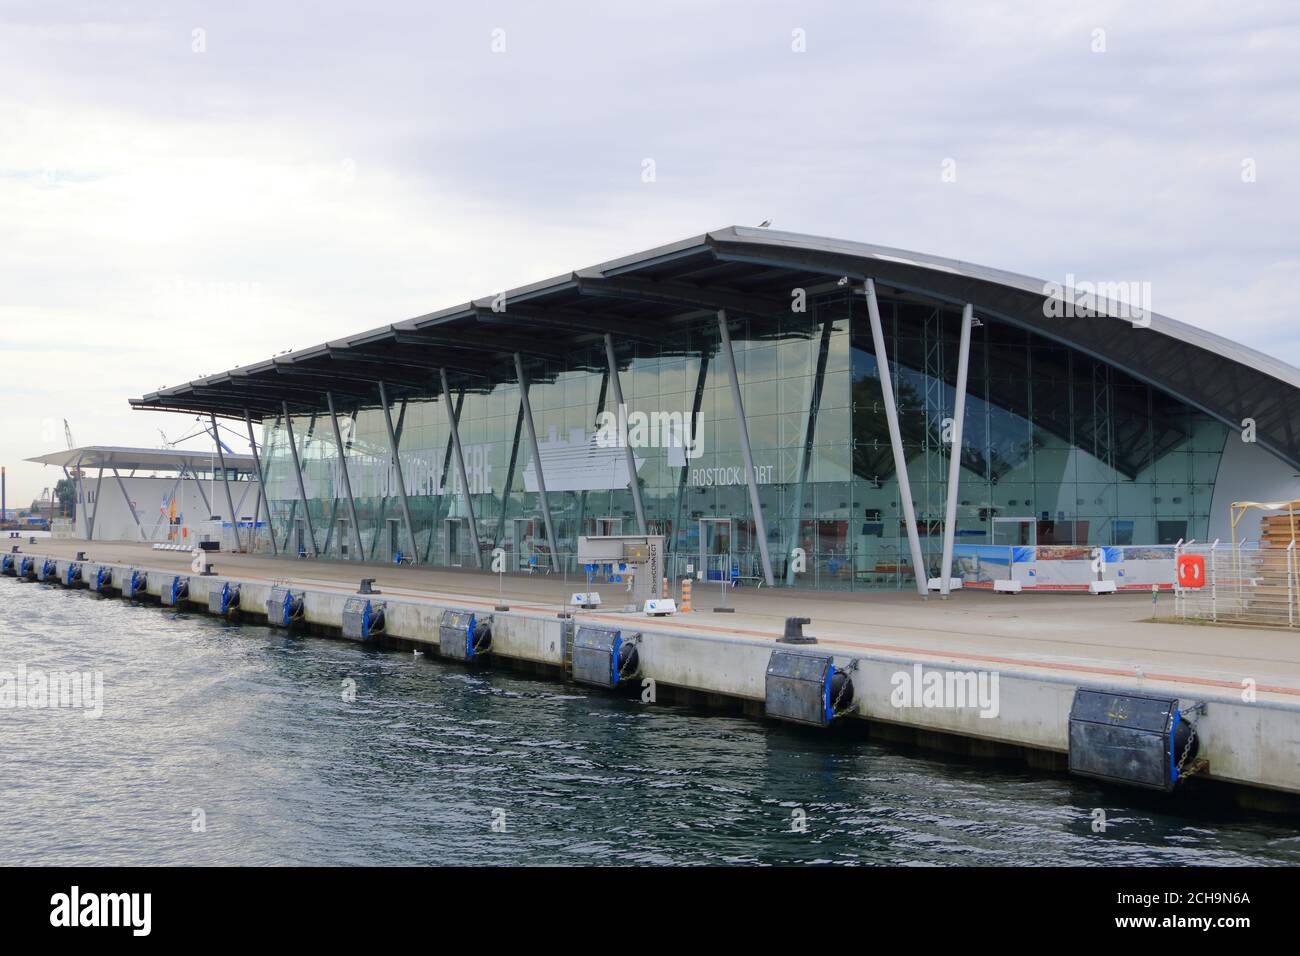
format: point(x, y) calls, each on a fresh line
point(1275, 591)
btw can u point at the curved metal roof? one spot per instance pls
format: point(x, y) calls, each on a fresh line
point(749, 272)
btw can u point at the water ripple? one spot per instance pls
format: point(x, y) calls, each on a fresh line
point(251, 727)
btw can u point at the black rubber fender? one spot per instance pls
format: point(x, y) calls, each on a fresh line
point(841, 691)
point(629, 661)
point(1182, 733)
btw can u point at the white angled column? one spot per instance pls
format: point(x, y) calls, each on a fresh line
point(397, 469)
point(262, 498)
point(627, 447)
point(954, 452)
point(297, 472)
point(225, 483)
point(82, 513)
point(99, 483)
point(896, 440)
point(347, 479)
point(537, 460)
point(127, 498)
point(453, 421)
point(751, 476)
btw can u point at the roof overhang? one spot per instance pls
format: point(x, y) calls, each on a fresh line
point(749, 272)
point(144, 459)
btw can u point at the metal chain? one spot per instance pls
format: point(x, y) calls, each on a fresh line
point(621, 674)
point(852, 668)
point(1187, 749)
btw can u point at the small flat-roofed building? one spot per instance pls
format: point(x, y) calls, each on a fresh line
point(172, 495)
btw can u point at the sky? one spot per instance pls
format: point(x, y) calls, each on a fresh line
point(188, 187)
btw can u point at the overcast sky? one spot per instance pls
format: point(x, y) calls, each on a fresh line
point(174, 203)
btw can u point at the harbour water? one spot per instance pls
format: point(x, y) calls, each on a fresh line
point(229, 744)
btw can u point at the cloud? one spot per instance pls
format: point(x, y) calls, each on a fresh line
point(322, 169)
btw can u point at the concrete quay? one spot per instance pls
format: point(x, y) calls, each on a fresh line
point(1034, 650)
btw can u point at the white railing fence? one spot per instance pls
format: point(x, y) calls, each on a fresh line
point(1246, 584)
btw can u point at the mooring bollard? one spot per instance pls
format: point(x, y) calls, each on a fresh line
point(794, 632)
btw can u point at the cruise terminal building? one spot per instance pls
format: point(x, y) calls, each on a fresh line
point(782, 408)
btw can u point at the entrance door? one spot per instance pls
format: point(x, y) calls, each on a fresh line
point(394, 538)
point(344, 531)
point(609, 526)
point(1015, 531)
point(523, 541)
point(300, 536)
point(715, 548)
point(451, 542)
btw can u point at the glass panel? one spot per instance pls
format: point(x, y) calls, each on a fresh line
point(1072, 449)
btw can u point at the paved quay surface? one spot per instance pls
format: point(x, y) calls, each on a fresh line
point(1074, 636)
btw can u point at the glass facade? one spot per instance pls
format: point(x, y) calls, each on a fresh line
point(1057, 448)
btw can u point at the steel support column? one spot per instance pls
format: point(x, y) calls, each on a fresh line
point(383, 502)
point(175, 489)
point(67, 475)
point(262, 498)
point(225, 483)
point(257, 515)
point(751, 476)
point(297, 472)
point(581, 526)
point(440, 493)
point(510, 479)
point(816, 388)
point(347, 480)
point(99, 482)
point(537, 460)
point(679, 525)
point(329, 525)
point(127, 498)
point(954, 454)
point(81, 493)
point(627, 447)
point(397, 468)
point(460, 468)
point(896, 440)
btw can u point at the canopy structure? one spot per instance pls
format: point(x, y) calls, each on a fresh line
point(124, 465)
point(171, 460)
point(749, 272)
